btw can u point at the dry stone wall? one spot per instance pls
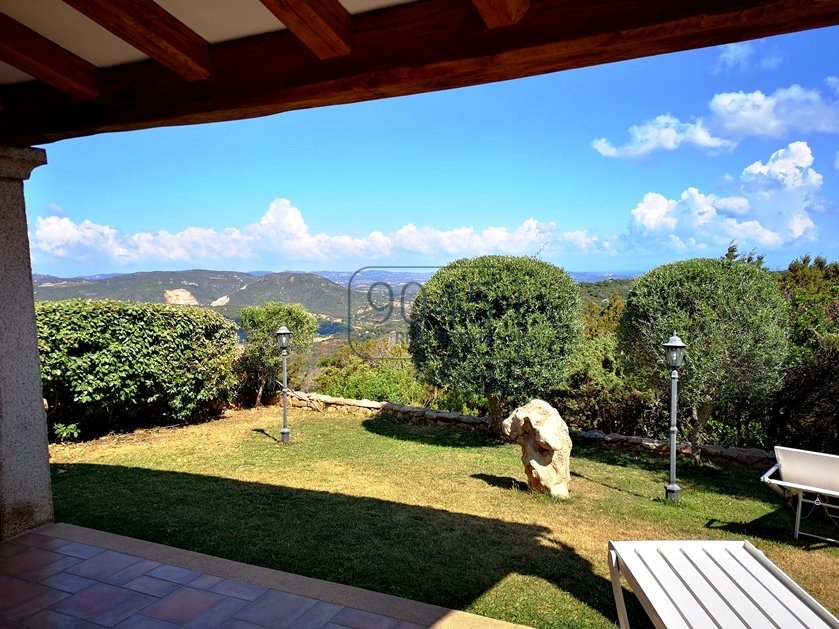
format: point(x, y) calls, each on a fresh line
point(744, 457)
point(318, 402)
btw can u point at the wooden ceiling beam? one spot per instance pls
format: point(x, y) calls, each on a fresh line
point(151, 29)
point(31, 52)
point(405, 49)
point(324, 26)
point(497, 13)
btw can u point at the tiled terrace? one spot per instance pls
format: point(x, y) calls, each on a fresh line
point(68, 576)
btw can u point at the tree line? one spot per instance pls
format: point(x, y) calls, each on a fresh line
point(485, 335)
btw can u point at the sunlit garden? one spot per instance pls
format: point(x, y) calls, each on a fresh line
point(428, 513)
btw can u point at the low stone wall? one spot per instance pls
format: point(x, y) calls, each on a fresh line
point(745, 457)
point(318, 402)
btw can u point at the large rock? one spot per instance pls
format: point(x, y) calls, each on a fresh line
point(545, 446)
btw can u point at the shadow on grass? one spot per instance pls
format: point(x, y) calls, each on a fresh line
point(777, 526)
point(608, 485)
point(504, 482)
point(720, 480)
point(421, 553)
point(265, 433)
point(451, 437)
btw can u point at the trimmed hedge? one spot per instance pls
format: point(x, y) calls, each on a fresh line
point(110, 364)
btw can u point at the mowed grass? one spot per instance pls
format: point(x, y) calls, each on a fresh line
point(427, 513)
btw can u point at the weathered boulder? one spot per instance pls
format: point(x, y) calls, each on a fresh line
point(545, 446)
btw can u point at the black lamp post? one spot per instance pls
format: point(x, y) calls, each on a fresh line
point(675, 354)
point(283, 338)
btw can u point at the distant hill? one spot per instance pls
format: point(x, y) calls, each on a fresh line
point(315, 293)
point(204, 286)
point(225, 291)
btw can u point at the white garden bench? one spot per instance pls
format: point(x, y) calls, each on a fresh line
point(806, 477)
point(700, 583)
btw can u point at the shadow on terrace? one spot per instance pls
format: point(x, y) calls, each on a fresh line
point(449, 559)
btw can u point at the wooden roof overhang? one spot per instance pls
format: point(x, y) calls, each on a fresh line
point(320, 53)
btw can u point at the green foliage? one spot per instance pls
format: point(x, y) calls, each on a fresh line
point(474, 404)
point(499, 326)
point(602, 317)
point(260, 365)
point(109, 364)
point(734, 320)
point(805, 413)
point(375, 369)
point(595, 394)
point(605, 290)
point(66, 432)
point(812, 288)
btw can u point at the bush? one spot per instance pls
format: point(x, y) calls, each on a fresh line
point(805, 413)
point(497, 326)
point(384, 374)
point(596, 396)
point(733, 318)
point(109, 364)
point(260, 365)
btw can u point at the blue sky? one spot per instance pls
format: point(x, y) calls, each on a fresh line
point(616, 167)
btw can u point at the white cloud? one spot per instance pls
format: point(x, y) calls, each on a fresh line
point(734, 206)
point(734, 115)
point(787, 109)
point(800, 225)
point(836, 162)
point(654, 212)
point(580, 239)
point(750, 232)
point(789, 167)
point(735, 56)
point(282, 234)
point(742, 56)
point(772, 208)
point(663, 132)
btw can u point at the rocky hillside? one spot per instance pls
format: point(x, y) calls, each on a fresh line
point(226, 291)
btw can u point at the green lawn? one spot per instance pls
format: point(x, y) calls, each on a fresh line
point(427, 513)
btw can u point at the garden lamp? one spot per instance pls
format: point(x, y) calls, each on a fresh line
point(675, 353)
point(283, 338)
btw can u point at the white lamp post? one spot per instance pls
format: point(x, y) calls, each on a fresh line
point(283, 338)
point(675, 354)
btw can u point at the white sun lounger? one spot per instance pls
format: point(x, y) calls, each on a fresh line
point(711, 584)
point(806, 477)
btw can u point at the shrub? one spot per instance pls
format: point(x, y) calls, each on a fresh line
point(384, 374)
point(260, 365)
point(596, 396)
point(110, 364)
point(498, 326)
point(805, 413)
point(734, 320)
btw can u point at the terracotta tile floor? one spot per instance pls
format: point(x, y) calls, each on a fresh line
point(48, 581)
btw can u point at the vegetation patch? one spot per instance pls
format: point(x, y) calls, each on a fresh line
point(110, 365)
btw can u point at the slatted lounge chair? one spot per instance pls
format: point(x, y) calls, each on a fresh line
point(806, 477)
point(701, 583)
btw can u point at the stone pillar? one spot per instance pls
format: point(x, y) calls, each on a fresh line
point(25, 490)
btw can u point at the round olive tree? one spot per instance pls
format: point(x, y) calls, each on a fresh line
point(498, 326)
point(734, 320)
